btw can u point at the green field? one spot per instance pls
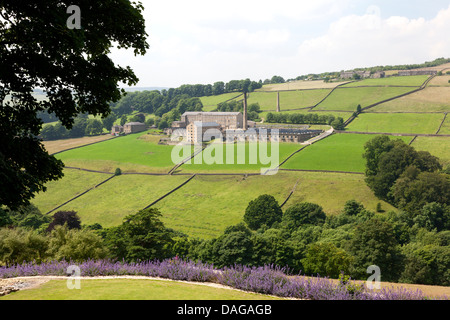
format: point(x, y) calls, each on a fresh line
point(396, 123)
point(445, 128)
point(205, 206)
point(239, 157)
point(437, 146)
point(73, 183)
point(430, 99)
point(121, 196)
point(414, 81)
point(131, 289)
point(267, 100)
point(132, 153)
point(347, 99)
point(301, 98)
point(211, 102)
point(338, 152)
point(331, 191)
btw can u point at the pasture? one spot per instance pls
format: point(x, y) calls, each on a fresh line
point(437, 146)
point(72, 184)
point(300, 85)
point(338, 152)
point(64, 144)
point(430, 99)
point(205, 206)
point(347, 99)
point(138, 152)
point(396, 123)
point(242, 157)
point(123, 195)
point(301, 98)
point(211, 102)
point(407, 81)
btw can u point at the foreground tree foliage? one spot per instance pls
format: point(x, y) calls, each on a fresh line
point(141, 236)
point(37, 49)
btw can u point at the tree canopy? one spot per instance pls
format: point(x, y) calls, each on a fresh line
point(72, 67)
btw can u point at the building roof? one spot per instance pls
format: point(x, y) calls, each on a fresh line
point(192, 113)
point(206, 124)
point(135, 124)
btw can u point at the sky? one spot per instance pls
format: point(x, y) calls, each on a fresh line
point(204, 41)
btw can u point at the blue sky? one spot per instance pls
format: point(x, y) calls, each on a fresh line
point(202, 41)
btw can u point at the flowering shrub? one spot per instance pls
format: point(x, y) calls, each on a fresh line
point(268, 279)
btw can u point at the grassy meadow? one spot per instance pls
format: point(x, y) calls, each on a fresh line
point(249, 157)
point(437, 146)
point(219, 201)
point(430, 99)
point(413, 81)
point(301, 98)
point(72, 184)
point(347, 99)
point(396, 122)
point(211, 102)
point(138, 152)
point(338, 152)
point(123, 195)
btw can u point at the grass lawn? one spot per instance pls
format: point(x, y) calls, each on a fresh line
point(338, 152)
point(396, 122)
point(301, 99)
point(205, 206)
point(415, 81)
point(299, 85)
point(440, 81)
point(331, 191)
point(121, 196)
point(445, 128)
point(437, 146)
point(64, 144)
point(73, 183)
point(430, 99)
point(131, 289)
point(267, 100)
point(347, 99)
point(239, 157)
point(210, 102)
point(132, 153)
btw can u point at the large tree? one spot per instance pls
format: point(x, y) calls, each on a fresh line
point(39, 50)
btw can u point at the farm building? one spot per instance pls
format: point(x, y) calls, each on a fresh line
point(116, 130)
point(133, 127)
point(350, 74)
point(198, 131)
point(417, 72)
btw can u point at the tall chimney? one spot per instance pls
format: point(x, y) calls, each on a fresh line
point(245, 111)
point(278, 101)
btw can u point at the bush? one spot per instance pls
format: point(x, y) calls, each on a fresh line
point(61, 218)
point(261, 211)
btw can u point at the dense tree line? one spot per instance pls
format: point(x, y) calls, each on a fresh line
point(306, 118)
point(83, 126)
point(161, 102)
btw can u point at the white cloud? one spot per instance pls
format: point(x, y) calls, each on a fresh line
point(203, 41)
point(368, 40)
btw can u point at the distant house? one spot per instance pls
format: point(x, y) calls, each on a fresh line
point(116, 130)
point(133, 127)
point(379, 74)
point(198, 131)
point(417, 72)
point(350, 74)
